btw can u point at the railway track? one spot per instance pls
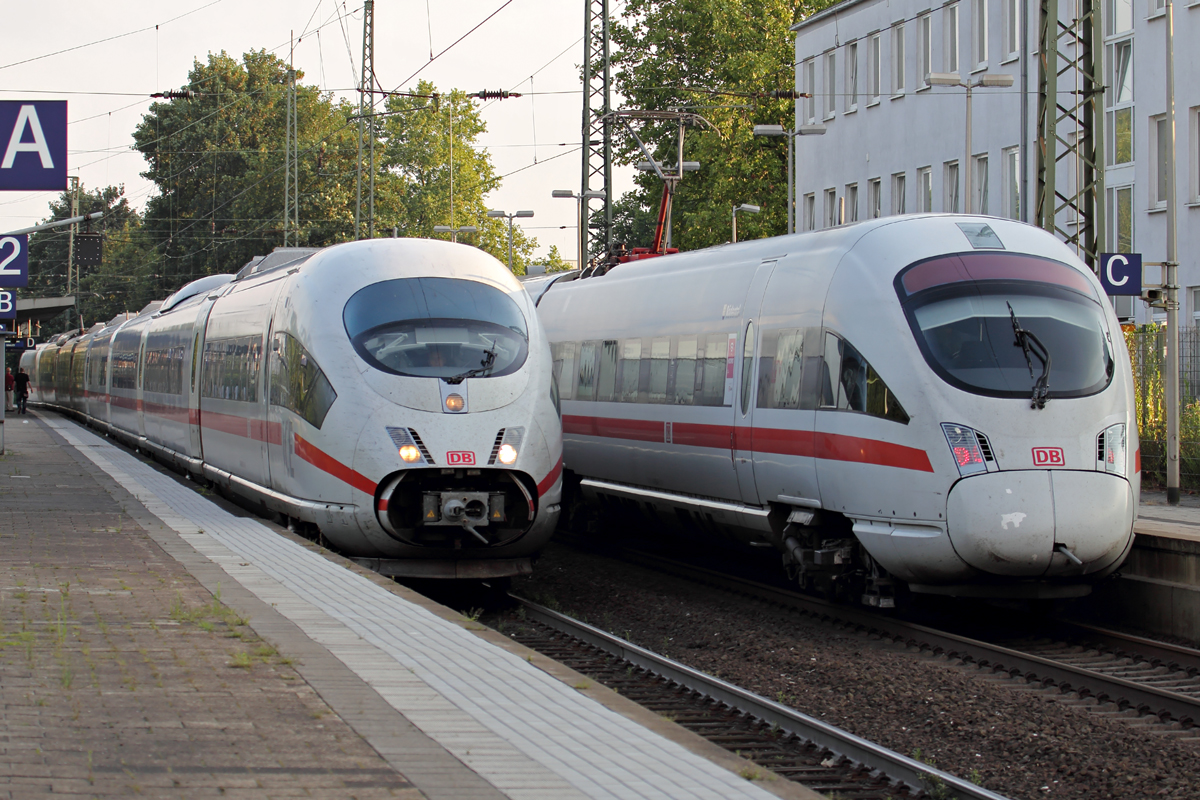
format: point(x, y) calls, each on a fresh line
point(1112, 673)
point(793, 745)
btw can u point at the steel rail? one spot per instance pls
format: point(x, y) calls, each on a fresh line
point(898, 767)
point(1127, 644)
point(1067, 677)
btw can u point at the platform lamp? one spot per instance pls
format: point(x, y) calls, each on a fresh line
point(454, 232)
point(580, 222)
point(747, 208)
point(495, 214)
point(954, 79)
point(778, 130)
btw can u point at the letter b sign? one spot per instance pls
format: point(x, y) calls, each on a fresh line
point(8, 305)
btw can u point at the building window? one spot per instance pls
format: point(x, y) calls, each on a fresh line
point(898, 60)
point(1012, 28)
point(851, 76)
point(951, 25)
point(1012, 182)
point(1118, 17)
point(979, 188)
point(1157, 6)
point(925, 54)
point(830, 84)
point(899, 193)
point(1160, 145)
point(1195, 293)
point(810, 212)
point(875, 198)
point(1118, 100)
point(810, 88)
point(1194, 155)
point(925, 189)
point(950, 202)
point(876, 74)
point(850, 203)
point(831, 210)
point(979, 26)
point(1120, 216)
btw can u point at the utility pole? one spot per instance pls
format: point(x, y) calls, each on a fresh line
point(291, 173)
point(1172, 287)
point(72, 270)
point(366, 126)
point(1071, 53)
point(597, 131)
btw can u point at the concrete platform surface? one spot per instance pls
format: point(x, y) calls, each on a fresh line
point(156, 643)
point(1156, 517)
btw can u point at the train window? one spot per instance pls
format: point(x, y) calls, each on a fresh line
point(437, 328)
point(231, 368)
point(859, 387)
point(563, 356)
point(606, 385)
point(630, 371)
point(685, 371)
point(297, 383)
point(781, 366)
point(747, 366)
point(966, 332)
point(587, 371)
point(711, 378)
point(163, 372)
point(660, 364)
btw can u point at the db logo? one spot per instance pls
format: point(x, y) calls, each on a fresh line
point(462, 458)
point(1048, 457)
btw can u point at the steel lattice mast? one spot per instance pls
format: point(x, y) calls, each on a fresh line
point(1070, 123)
point(597, 130)
point(366, 126)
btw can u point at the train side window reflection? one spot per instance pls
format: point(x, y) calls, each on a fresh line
point(781, 367)
point(563, 354)
point(587, 372)
point(747, 366)
point(631, 356)
point(859, 386)
point(831, 367)
point(607, 384)
point(685, 371)
point(297, 383)
point(660, 361)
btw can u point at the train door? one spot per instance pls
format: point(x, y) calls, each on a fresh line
point(746, 383)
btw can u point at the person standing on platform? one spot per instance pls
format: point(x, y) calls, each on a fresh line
point(21, 387)
point(9, 383)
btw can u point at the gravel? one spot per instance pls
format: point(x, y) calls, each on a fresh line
point(1015, 742)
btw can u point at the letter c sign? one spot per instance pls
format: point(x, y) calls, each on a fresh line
point(1121, 273)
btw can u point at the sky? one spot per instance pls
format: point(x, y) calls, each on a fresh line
point(107, 60)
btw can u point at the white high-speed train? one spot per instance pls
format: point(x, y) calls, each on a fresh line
point(396, 393)
point(940, 400)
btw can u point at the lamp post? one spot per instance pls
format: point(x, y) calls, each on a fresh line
point(954, 79)
point(580, 222)
point(749, 209)
point(779, 130)
point(494, 214)
point(454, 232)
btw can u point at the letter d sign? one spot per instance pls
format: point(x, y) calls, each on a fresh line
point(1121, 273)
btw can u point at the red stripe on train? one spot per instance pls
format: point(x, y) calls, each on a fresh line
point(807, 444)
point(327, 463)
point(551, 478)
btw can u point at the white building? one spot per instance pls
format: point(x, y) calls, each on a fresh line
point(895, 144)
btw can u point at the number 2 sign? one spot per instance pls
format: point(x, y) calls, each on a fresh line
point(14, 261)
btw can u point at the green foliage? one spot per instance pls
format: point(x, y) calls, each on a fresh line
point(1147, 348)
point(553, 261)
point(713, 57)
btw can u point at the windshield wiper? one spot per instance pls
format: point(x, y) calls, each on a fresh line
point(1030, 343)
point(489, 358)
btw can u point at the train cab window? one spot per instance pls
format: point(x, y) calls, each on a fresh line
point(965, 311)
point(849, 383)
point(437, 328)
point(297, 383)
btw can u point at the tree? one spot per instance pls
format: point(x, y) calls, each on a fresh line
point(218, 161)
point(419, 136)
point(49, 249)
point(553, 261)
point(720, 59)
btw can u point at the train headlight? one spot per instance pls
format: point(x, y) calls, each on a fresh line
point(1112, 449)
point(964, 445)
point(455, 403)
point(507, 454)
point(410, 454)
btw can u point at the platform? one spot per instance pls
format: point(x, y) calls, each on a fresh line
point(156, 641)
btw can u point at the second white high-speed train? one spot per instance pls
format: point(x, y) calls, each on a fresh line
point(940, 400)
point(395, 393)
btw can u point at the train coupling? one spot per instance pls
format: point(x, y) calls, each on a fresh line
point(470, 510)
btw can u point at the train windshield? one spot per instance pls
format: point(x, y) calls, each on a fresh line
point(437, 328)
point(979, 334)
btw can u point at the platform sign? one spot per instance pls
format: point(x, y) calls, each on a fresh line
point(14, 261)
point(8, 304)
point(1121, 273)
point(33, 145)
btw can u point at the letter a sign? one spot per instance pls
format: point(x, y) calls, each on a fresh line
point(33, 145)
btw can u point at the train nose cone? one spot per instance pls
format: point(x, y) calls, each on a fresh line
point(1011, 523)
